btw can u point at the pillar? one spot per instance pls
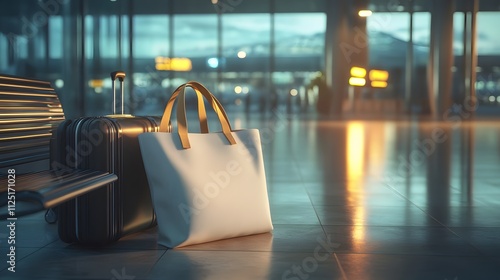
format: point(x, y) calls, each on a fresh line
point(470, 55)
point(73, 62)
point(441, 58)
point(346, 45)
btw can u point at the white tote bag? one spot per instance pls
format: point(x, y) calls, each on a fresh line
point(205, 186)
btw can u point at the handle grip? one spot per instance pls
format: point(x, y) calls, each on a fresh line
point(120, 75)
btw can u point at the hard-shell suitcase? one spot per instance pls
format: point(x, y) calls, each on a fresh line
point(106, 143)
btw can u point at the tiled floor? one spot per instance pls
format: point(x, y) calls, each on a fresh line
point(349, 200)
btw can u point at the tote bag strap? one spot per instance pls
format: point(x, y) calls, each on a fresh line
point(182, 126)
point(165, 124)
point(201, 91)
point(204, 91)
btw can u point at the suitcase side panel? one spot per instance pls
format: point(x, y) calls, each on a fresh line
point(98, 221)
point(137, 207)
point(63, 156)
point(106, 214)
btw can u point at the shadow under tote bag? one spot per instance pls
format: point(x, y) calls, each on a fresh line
point(205, 186)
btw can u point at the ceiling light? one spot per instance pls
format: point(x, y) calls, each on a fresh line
point(242, 54)
point(365, 13)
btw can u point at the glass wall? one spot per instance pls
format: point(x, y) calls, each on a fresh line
point(488, 66)
point(105, 50)
point(150, 43)
point(421, 41)
point(388, 35)
point(299, 40)
point(249, 56)
point(246, 44)
point(254, 56)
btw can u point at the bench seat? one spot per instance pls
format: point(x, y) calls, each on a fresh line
point(46, 189)
point(30, 112)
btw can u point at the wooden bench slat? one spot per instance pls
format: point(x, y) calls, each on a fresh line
point(28, 109)
point(30, 112)
point(27, 87)
point(21, 121)
point(24, 80)
point(16, 102)
point(24, 129)
point(24, 137)
point(41, 95)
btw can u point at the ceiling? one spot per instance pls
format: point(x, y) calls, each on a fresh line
point(31, 8)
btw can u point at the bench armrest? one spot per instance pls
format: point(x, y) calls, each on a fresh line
point(42, 190)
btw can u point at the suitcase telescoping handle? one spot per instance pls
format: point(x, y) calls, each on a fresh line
point(121, 77)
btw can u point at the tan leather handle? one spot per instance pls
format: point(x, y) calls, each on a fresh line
point(165, 124)
point(204, 91)
point(182, 126)
point(201, 92)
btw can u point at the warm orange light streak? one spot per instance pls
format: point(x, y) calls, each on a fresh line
point(355, 171)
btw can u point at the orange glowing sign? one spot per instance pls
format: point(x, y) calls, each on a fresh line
point(379, 75)
point(358, 82)
point(96, 83)
point(358, 72)
point(358, 75)
point(377, 78)
point(173, 64)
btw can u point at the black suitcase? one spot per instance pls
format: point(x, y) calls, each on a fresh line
point(108, 144)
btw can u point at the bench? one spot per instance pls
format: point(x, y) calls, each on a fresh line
point(30, 112)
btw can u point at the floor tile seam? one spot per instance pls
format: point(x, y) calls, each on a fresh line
point(478, 227)
point(392, 226)
point(447, 227)
point(156, 262)
point(126, 249)
point(23, 258)
point(414, 204)
point(436, 220)
point(406, 205)
point(358, 205)
point(339, 265)
point(296, 164)
point(323, 225)
point(467, 241)
point(104, 249)
point(320, 223)
point(420, 255)
point(27, 247)
point(248, 251)
point(289, 227)
point(318, 218)
point(473, 226)
point(378, 225)
point(423, 254)
point(295, 224)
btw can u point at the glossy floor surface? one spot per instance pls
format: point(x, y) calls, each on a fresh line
point(349, 200)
